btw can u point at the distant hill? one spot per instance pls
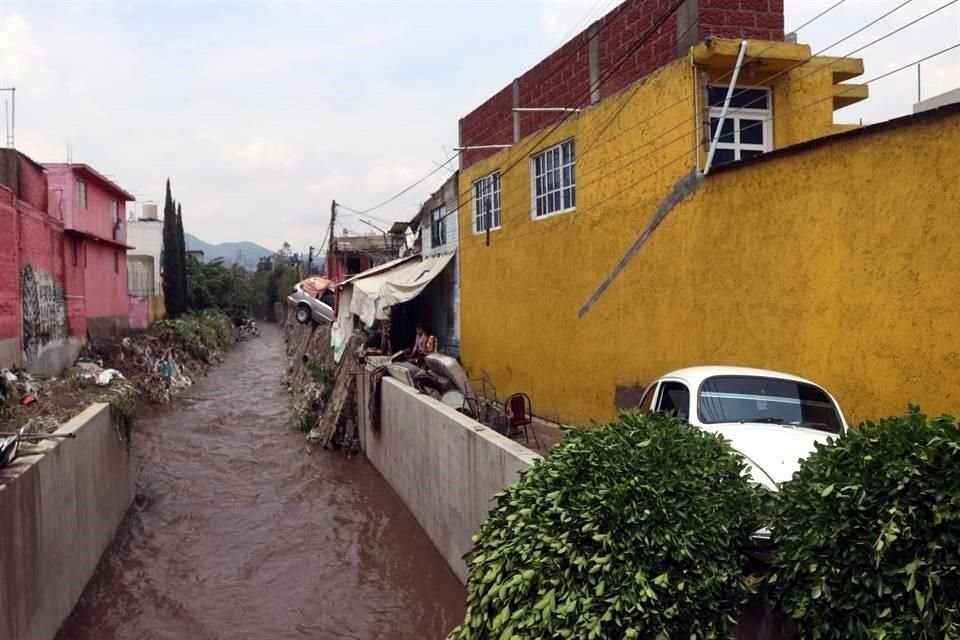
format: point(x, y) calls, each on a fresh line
point(245, 254)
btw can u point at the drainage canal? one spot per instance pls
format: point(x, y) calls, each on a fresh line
point(239, 532)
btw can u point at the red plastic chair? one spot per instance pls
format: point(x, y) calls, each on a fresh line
point(519, 410)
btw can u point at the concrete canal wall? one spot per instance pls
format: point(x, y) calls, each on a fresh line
point(445, 466)
point(60, 510)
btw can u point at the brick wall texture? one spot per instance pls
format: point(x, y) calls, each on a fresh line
point(562, 79)
point(9, 269)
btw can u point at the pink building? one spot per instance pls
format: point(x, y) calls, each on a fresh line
point(33, 325)
point(93, 210)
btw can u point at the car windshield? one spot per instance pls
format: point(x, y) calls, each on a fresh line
point(766, 400)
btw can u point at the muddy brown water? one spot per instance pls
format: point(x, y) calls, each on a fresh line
point(239, 532)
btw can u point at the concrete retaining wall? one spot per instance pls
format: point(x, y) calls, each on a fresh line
point(444, 466)
point(60, 510)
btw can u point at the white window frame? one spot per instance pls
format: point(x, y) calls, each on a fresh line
point(115, 210)
point(81, 193)
point(550, 156)
point(735, 114)
point(485, 188)
point(442, 227)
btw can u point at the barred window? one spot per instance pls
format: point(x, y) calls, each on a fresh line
point(486, 193)
point(554, 180)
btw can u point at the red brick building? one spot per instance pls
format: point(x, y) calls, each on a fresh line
point(603, 59)
point(33, 326)
point(62, 261)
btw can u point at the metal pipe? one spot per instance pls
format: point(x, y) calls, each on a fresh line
point(483, 146)
point(554, 109)
point(726, 107)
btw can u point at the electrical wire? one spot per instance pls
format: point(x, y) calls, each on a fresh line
point(754, 101)
point(521, 156)
point(684, 100)
point(645, 177)
point(560, 65)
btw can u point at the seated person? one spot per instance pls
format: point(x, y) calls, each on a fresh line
point(419, 348)
point(423, 344)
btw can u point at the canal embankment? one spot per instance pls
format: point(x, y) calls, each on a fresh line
point(61, 501)
point(444, 466)
point(240, 530)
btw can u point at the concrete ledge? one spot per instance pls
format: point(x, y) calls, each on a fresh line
point(9, 352)
point(59, 510)
point(54, 357)
point(445, 466)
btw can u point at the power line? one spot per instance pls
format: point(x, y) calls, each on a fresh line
point(556, 69)
point(685, 99)
point(402, 191)
point(689, 151)
point(594, 86)
point(682, 100)
point(754, 101)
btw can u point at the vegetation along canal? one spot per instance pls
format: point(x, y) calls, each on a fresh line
point(239, 532)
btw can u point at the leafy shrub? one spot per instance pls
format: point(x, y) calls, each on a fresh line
point(869, 533)
point(203, 335)
point(630, 530)
point(213, 285)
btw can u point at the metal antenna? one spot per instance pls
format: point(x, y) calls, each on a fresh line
point(11, 122)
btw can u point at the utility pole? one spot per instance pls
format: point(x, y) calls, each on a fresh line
point(310, 261)
point(331, 243)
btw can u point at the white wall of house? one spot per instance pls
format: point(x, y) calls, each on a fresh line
point(147, 238)
point(445, 200)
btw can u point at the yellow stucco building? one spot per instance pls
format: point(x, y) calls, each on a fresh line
point(613, 260)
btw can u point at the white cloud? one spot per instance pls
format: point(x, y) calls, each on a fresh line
point(560, 21)
point(261, 155)
point(262, 114)
point(21, 59)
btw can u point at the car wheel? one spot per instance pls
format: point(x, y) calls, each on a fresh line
point(303, 314)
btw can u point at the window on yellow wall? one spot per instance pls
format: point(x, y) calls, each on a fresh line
point(486, 203)
point(553, 176)
point(747, 129)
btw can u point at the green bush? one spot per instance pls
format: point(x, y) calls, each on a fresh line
point(869, 533)
point(630, 530)
point(203, 334)
point(213, 285)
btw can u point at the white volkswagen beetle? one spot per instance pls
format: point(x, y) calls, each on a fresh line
point(773, 419)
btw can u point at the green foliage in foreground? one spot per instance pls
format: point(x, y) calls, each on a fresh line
point(635, 529)
point(204, 335)
point(213, 285)
point(869, 534)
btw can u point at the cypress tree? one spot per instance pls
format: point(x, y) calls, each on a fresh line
point(182, 259)
point(169, 255)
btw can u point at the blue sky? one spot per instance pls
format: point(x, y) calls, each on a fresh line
point(261, 112)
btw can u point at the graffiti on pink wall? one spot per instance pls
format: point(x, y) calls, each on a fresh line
point(44, 311)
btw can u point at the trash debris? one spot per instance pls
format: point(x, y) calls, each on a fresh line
point(107, 376)
point(28, 399)
point(247, 329)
